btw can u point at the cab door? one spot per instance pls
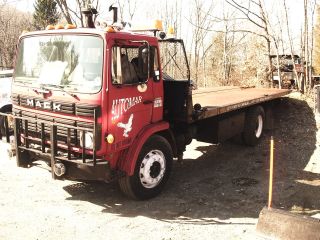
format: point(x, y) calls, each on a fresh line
point(130, 92)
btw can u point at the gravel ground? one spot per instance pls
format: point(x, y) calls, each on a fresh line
point(216, 193)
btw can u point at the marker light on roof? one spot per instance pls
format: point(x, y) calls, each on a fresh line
point(70, 26)
point(50, 27)
point(170, 30)
point(110, 29)
point(158, 25)
point(59, 26)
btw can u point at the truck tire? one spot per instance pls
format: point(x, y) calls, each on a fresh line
point(253, 126)
point(23, 158)
point(151, 172)
point(2, 129)
point(6, 109)
point(2, 125)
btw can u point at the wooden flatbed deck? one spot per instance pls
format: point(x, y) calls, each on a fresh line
point(220, 100)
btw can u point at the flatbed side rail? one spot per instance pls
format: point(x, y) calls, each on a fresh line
point(216, 107)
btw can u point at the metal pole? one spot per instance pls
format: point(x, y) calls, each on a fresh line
point(271, 172)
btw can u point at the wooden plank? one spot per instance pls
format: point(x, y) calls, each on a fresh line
point(220, 100)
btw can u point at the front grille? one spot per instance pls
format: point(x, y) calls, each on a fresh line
point(34, 127)
point(83, 110)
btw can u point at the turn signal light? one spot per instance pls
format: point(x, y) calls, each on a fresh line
point(110, 138)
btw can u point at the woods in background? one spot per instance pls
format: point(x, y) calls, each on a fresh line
point(12, 24)
point(229, 42)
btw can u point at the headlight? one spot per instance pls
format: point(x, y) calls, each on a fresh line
point(10, 121)
point(88, 140)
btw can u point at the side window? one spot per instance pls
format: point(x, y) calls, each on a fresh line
point(128, 65)
point(154, 64)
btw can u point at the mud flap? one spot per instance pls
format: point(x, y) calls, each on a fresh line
point(284, 225)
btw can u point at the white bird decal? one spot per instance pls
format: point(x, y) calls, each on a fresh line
point(126, 126)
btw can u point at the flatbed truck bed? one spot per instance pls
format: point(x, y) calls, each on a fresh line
point(218, 100)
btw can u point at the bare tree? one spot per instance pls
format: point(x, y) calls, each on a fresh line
point(313, 6)
point(127, 9)
point(256, 14)
point(73, 15)
point(316, 39)
point(65, 10)
point(12, 24)
point(201, 22)
point(297, 76)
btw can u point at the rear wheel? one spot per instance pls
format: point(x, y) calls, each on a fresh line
point(254, 124)
point(152, 170)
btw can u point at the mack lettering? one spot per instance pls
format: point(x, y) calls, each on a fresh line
point(44, 105)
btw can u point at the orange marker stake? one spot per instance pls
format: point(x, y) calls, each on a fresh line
point(271, 172)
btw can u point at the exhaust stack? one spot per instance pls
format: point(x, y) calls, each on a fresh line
point(115, 13)
point(88, 13)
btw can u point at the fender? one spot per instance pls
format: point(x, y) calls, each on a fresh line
point(5, 105)
point(128, 162)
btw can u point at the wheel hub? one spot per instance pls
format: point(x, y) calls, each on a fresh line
point(152, 169)
point(259, 126)
point(155, 169)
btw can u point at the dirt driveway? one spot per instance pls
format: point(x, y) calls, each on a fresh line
point(217, 193)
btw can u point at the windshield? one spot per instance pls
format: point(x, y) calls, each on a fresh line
point(71, 62)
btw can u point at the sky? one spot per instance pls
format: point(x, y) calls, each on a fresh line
point(295, 6)
point(295, 9)
point(23, 5)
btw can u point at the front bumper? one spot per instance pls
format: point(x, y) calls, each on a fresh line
point(77, 163)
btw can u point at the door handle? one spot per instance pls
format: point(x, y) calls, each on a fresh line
point(147, 102)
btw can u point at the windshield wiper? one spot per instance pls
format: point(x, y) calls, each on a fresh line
point(48, 86)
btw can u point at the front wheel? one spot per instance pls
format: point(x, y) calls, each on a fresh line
point(3, 125)
point(23, 158)
point(151, 172)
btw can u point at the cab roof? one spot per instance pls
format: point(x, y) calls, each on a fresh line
point(92, 31)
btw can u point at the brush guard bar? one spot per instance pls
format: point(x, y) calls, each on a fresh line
point(49, 145)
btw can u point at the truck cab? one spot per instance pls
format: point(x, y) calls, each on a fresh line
point(83, 97)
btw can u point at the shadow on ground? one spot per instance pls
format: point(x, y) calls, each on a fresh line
point(229, 180)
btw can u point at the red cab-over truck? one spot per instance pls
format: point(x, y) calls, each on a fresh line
point(106, 104)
